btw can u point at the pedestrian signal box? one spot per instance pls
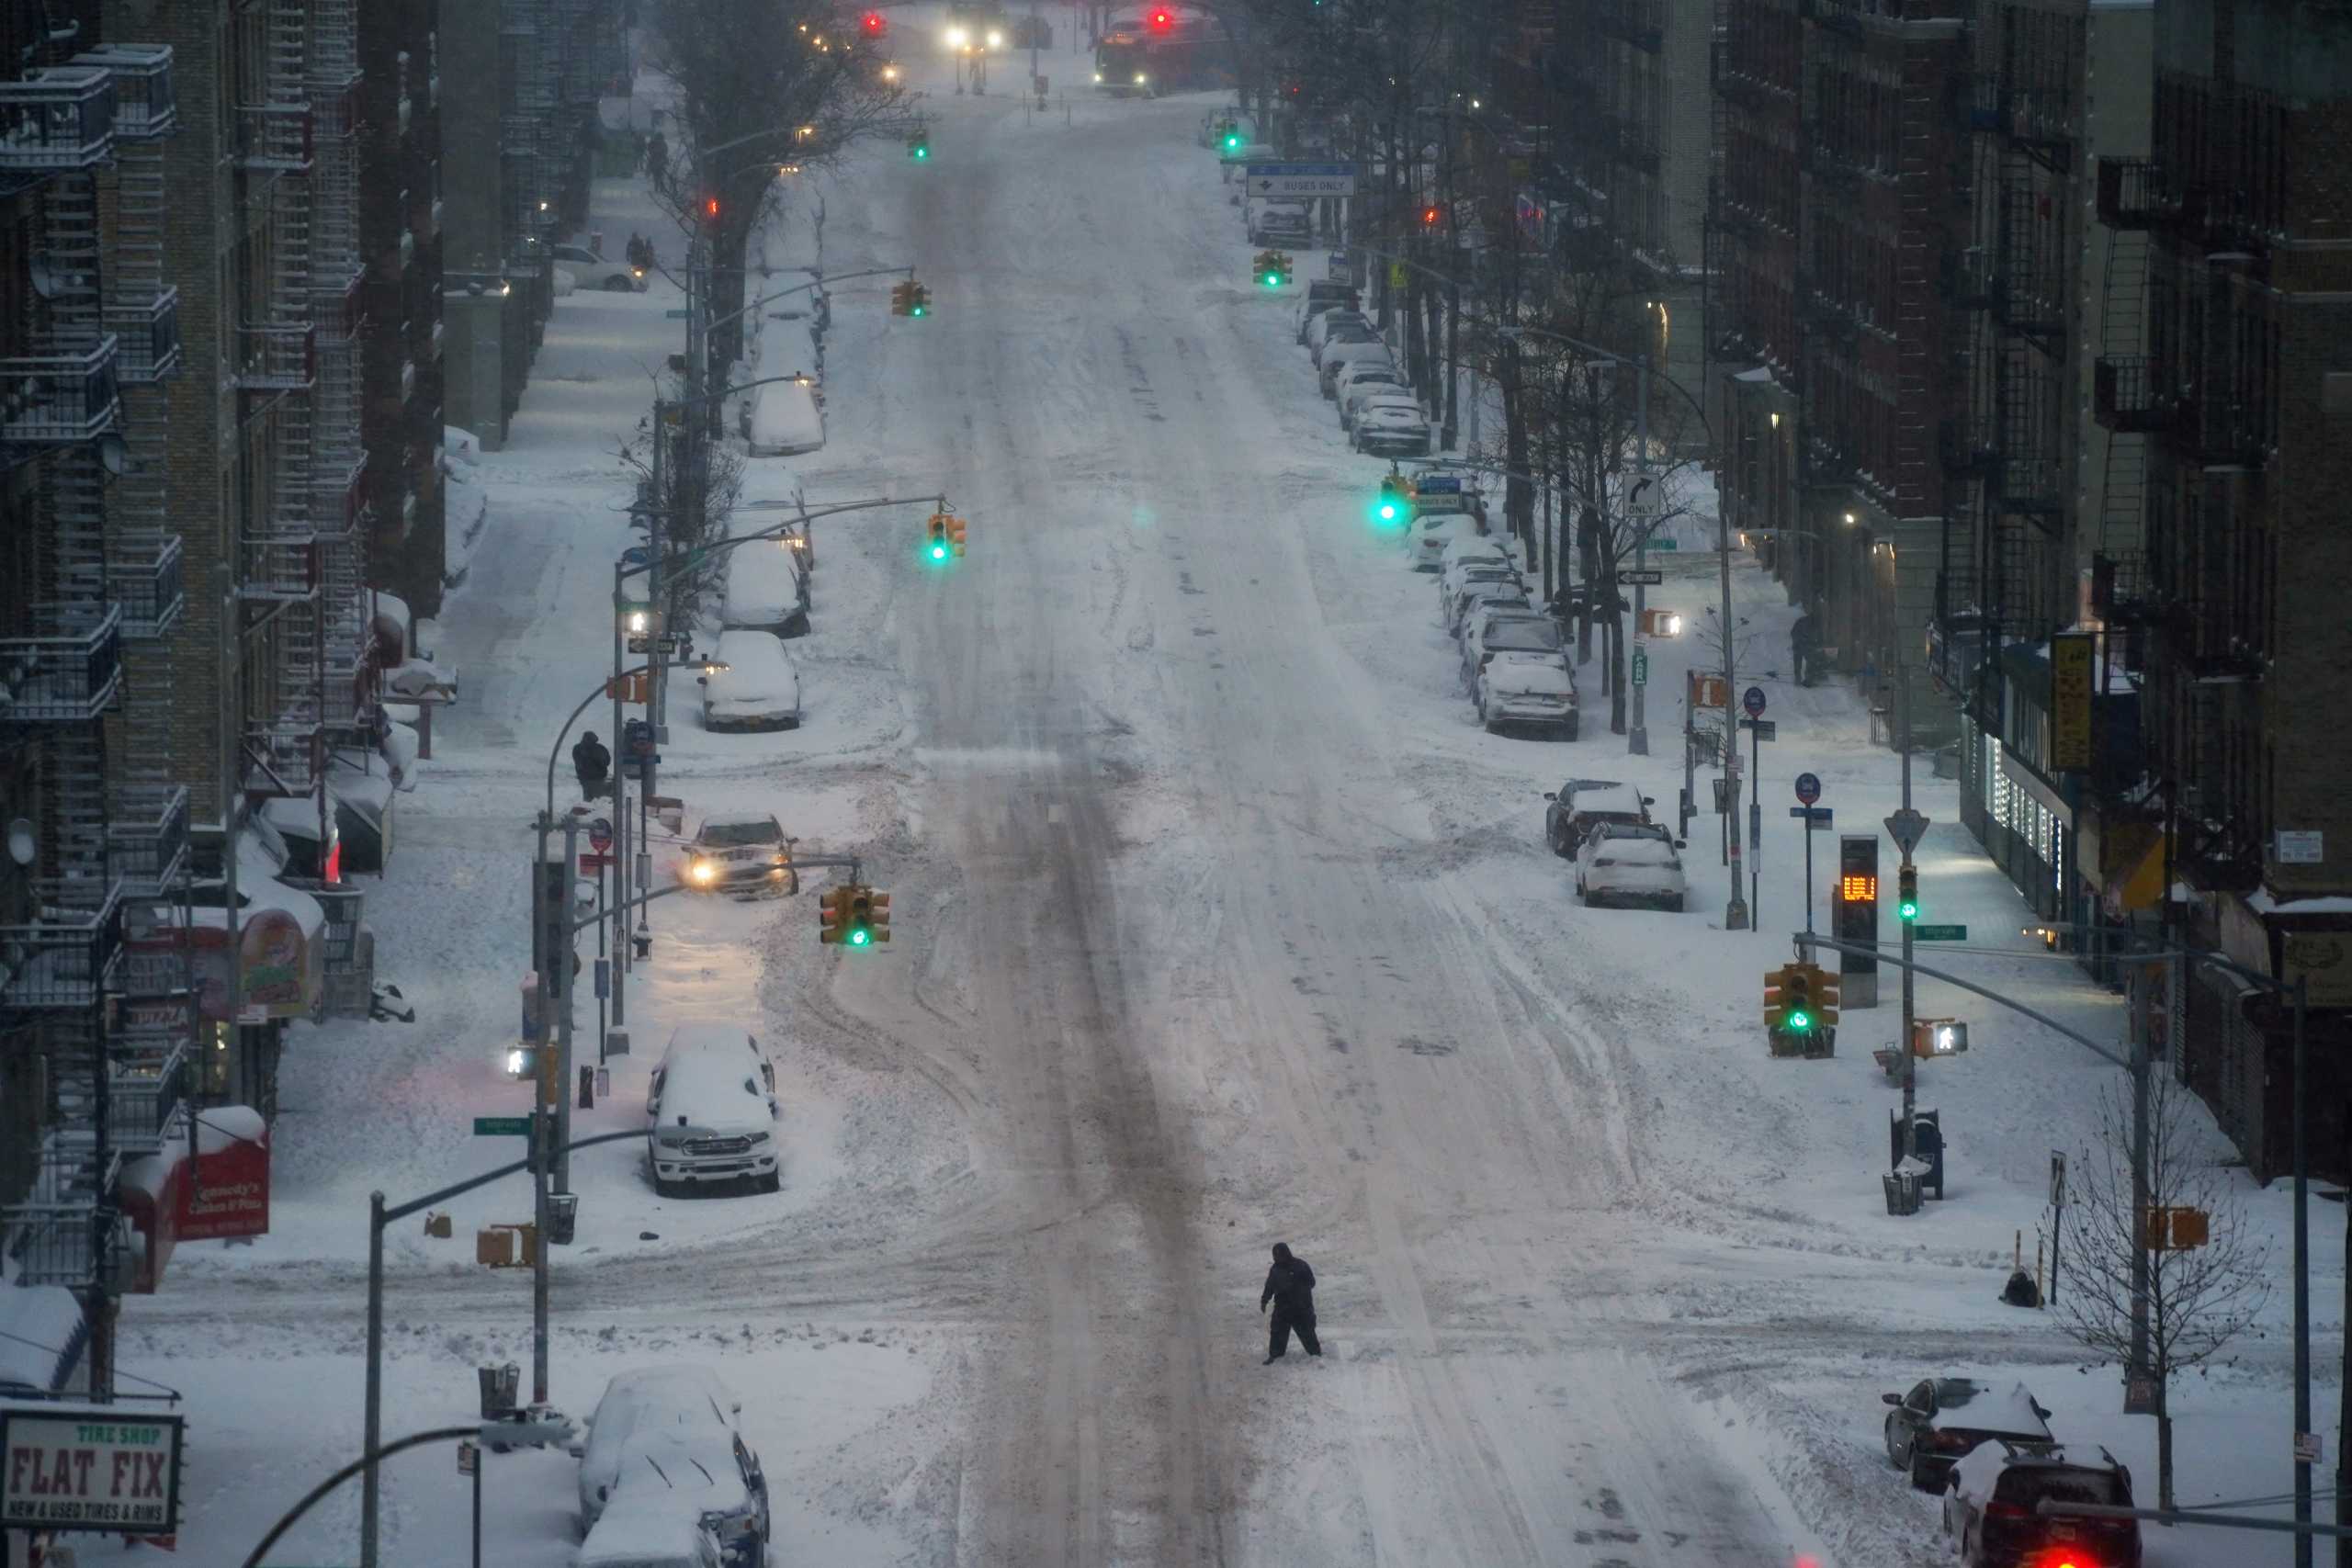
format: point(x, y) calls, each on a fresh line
point(1853, 915)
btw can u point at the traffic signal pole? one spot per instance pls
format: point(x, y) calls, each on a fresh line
point(1910, 1055)
point(1637, 737)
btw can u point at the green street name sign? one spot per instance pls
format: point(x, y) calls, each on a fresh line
point(1940, 934)
point(501, 1126)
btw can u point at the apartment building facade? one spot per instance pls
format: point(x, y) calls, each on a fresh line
point(2228, 611)
point(1838, 200)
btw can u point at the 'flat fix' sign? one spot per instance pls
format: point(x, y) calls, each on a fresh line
point(89, 1470)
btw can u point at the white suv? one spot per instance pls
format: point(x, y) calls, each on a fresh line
point(712, 1110)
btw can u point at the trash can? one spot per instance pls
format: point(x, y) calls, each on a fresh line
point(1902, 1192)
point(563, 1212)
point(499, 1387)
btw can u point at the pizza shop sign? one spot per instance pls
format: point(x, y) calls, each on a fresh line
point(76, 1468)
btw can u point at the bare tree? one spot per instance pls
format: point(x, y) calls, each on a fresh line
point(762, 83)
point(695, 501)
point(2199, 1299)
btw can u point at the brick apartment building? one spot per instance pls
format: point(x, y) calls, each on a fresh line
point(1839, 201)
point(2229, 610)
point(400, 239)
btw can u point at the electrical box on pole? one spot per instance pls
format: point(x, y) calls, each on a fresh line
point(1853, 917)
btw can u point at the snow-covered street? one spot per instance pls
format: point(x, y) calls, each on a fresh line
point(1218, 921)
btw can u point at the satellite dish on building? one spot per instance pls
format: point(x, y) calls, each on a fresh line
point(22, 844)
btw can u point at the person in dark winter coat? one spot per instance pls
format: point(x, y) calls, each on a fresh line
point(1805, 648)
point(592, 762)
point(1290, 1285)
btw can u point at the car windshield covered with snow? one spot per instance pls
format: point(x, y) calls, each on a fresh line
point(728, 833)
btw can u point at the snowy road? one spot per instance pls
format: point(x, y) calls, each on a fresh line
point(1216, 923)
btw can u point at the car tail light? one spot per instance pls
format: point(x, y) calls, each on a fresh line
point(1997, 1509)
point(1949, 1442)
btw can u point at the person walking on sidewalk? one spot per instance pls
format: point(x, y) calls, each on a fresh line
point(1804, 648)
point(1290, 1285)
point(592, 762)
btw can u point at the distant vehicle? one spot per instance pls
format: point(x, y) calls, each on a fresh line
point(1993, 1493)
point(1390, 428)
point(1489, 597)
point(1324, 295)
point(1580, 804)
point(712, 1112)
point(1318, 324)
point(1432, 532)
point(738, 851)
point(1528, 692)
point(1281, 223)
point(1365, 383)
point(1942, 1418)
point(1624, 866)
point(1493, 632)
point(1132, 61)
point(1340, 332)
point(748, 683)
point(590, 270)
point(1479, 582)
point(766, 589)
point(1337, 355)
point(691, 1406)
point(781, 419)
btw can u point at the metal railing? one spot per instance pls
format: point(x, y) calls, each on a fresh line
point(65, 957)
point(147, 842)
point(58, 119)
point(143, 579)
point(63, 676)
point(278, 358)
point(148, 337)
point(59, 399)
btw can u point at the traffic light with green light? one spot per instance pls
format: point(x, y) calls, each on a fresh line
point(918, 147)
point(918, 300)
point(1907, 900)
point(937, 548)
point(1394, 507)
point(1231, 141)
point(1797, 999)
point(866, 919)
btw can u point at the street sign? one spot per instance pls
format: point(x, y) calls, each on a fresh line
point(1906, 828)
point(1940, 934)
point(469, 1458)
point(1648, 577)
point(2057, 1179)
point(1301, 179)
point(1814, 817)
point(674, 315)
point(636, 555)
point(639, 644)
point(1765, 729)
point(1438, 485)
point(670, 642)
point(603, 978)
point(1808, 787)
point(2307, 1447)
point(501, 1126)
point(1665, 544)
point(591, 860)
point(1641, 667)
point(600, 833)
point(1752, 699)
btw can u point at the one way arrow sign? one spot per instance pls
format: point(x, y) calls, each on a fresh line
point(1301, 179)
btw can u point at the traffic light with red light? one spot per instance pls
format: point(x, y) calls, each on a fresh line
point(1160, 19)
point(1430, 215)
point(710, 210)
point(874, 24)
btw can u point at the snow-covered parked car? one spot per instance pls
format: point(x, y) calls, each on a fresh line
point(1485, 580)
point(750, 683)
point(712, 1112)
point(1626, 865)
point(1992, 1499)
point(1338, 355)
point(642, 1534)
point(1392, 427)
point(1580, 804)
point(1316, 323)
point(781, 419)
point(1479, 599)
point(766, 591)
point(1325, 294)
point(1942, 1418)
point(738, 851)
point(1504, 630)
point(1363, 384)
point(590, 270)
point(1281, 223)
point(1522, 690)
point(1432, 534)
point(647, 1419)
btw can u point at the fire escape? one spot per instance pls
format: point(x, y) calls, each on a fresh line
point(531, 145)
point(108, 847)
point(2184, 466)
point(2005, 451)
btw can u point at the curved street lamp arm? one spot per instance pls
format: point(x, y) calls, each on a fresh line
point(415, 1439)
point(556, 749)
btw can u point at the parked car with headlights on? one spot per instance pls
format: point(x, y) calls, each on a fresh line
point(590, 270)
point(739, 852)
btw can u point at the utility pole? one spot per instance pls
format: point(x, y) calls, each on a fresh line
point(1637, 737)
point(1736, 912)
point(2302, 1293)
point(1902, 1042)
point(561, 990)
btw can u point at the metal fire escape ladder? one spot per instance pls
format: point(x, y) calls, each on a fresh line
point(283, 742)
point(337, 458)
